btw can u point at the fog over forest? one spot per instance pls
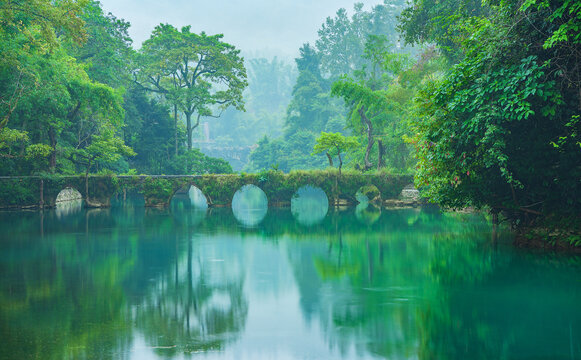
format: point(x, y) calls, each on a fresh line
point(257, 27)
point(269, 36)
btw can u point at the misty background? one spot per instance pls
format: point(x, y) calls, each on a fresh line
point(269, 36)
point(259, 28)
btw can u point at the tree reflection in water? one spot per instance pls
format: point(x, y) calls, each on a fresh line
point(427, 289)
point(60, 287)
point(197, 307)
point(413, 284)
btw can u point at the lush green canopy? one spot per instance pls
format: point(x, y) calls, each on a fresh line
point(332, 144)
point(194, 72)
point(500, 129)
point(67, 99)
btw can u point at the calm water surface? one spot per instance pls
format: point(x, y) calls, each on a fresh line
point(135, 283)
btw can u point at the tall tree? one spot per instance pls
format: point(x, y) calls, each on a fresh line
point(200, 74)
point(341, 40)
point(444, 22)
point(376, 100)
point(311, 105)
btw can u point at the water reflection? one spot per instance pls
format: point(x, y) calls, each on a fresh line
point(366, 213)
point(188, 208)
point(196, 306)
point(128, 199)
point(249, 205)
point(412, 284)
point(309, 205)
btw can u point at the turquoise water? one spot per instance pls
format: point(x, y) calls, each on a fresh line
point(181, 283)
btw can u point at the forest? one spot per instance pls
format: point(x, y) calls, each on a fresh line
point(480, 100)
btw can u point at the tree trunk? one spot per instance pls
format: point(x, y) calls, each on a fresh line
point(189, 129)
point(175, 116)
point(381, 152)
point(340, 162)
point(87, 180)
point(41, 204)
point(330, 159)
point(52, 138)
point(369, 127)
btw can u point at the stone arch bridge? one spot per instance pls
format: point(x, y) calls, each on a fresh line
point(97, 191)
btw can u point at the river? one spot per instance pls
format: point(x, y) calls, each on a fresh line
point(305, 282)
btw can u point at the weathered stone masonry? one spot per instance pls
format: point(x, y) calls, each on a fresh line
point(97, 191)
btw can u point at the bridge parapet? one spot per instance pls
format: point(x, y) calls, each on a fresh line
point(97, 191)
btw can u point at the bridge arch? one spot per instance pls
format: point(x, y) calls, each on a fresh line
point(189, 196)
point(68, 201)
point(369, 194)
point(197, 197)
point(309, 205)
point(68, 194)
point(249, 205)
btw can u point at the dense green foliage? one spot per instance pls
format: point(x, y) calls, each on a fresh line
point(500, 129)
point(68, 101)
point(443, 22)
point(488, 102)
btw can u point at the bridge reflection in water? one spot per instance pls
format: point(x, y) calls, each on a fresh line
point(249, 205)
point(309, 205)
point(68, 201)
point(160, 283)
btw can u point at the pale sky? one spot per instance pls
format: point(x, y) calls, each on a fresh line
point(257, 27)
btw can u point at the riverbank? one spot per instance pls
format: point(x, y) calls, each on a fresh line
point(555, 232)
point(524, 241)
point(559, 239)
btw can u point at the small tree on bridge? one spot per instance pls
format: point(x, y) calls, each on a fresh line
point(333, 144)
